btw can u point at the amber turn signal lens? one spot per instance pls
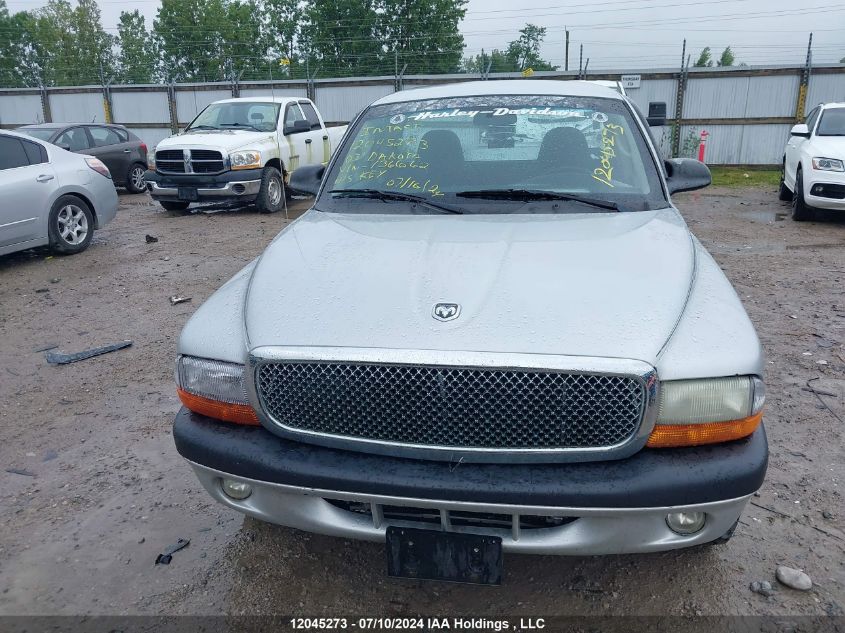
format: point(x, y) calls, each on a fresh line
point(237, 413)
point(668, 435)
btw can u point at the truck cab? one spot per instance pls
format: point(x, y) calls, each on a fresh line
point(241, 149)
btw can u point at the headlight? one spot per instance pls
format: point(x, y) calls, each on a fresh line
point(248, 159)
point(215, 389)
point(151, 161)
point(828, 164)
point(707, 411)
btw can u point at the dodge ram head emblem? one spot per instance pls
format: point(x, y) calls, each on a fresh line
point(446, 311)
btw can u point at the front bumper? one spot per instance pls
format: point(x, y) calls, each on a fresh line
point(832, 185)
point(233, 184)
point(616, 506)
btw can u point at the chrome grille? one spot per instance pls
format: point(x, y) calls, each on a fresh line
point(200, 161)
point(443, 406)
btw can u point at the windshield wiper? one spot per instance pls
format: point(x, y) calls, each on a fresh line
point(240, 125)
point(377, 194)
point(531, 194)
point(201, 127)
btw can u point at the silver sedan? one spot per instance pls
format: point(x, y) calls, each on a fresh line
point(49, 196)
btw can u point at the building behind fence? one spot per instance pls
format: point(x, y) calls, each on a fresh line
point(747, 111)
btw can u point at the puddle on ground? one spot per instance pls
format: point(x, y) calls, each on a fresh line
point(767, 217)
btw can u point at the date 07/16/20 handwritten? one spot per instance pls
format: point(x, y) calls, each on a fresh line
point(609, 132)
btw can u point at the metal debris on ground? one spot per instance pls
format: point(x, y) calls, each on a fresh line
point(167, 555)
point(57, 358)
point(150, 239)
point(20, 471)
point(177, 299)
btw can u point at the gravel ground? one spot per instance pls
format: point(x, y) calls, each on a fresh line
point(100, 490)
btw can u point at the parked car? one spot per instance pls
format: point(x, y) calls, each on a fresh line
point(241, 149)
point(51, 196)
point(123, 153)
point(489, 333)
point(814, 163)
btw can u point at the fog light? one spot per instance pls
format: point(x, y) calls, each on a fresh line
point(685, 522)
point(237, 490)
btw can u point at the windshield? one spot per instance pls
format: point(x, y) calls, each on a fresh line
point(234, 115)
point(496, 154)
point(832, 123)
point(38, 132)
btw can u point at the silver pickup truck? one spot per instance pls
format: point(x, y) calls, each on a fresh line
point(492, 332)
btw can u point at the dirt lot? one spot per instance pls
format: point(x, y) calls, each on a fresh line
point(100, 490)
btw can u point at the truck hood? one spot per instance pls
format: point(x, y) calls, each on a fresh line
point(611, 285)
point(222, 140)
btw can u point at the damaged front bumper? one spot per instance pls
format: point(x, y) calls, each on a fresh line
point(609, 507)
point(243, 184)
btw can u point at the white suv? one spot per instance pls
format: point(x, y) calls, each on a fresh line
point(814, 162)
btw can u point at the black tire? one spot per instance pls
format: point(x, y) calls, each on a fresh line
point(725, 537)
point(134, 184)
point(271, 195)
point(174, 205)
point(800, 211)
point(784, 193)
point(70, 225)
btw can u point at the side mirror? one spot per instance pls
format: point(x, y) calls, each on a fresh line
point(800, 130)
point(297, 127)
point(64, 146)
point(307, 179)
point(656, 113)
point(686, 174)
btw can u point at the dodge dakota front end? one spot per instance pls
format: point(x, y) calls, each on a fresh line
point(492, 332)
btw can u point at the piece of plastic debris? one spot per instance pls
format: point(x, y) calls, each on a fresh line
point(177, 299)
point(55, 280)
point(46, 346)
point(150, 239)
point(167, 555)
point(20, 471)
point(57, 358)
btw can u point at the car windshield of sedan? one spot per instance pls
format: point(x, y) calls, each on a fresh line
point(43, 133)
point(495, 154)
point(832, 123)
point(245, 115)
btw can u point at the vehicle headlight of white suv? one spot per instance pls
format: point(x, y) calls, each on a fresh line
point(828, 164)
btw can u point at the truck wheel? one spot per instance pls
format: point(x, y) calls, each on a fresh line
point(135, 178)
point(800, 211)
point(784, 193)
point(71, 226)
point(271, 196)
point(173, 205)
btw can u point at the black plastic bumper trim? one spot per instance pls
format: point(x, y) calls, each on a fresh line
point(651, 478)
point(201, 180)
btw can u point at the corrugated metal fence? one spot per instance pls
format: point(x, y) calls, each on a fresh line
point(747, 111)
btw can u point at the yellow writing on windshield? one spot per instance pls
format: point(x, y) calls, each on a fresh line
point(609, 133)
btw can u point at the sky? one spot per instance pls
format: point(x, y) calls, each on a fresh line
point(630, 34)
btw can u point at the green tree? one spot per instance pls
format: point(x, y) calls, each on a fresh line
point(10, 36)
point(705, 60)
point(340, 38)
point(280, 22)
point(498, 62)
point(727, 58)
point(207, 40)
point(423, 34)
point(524, 51)
point(135, 62)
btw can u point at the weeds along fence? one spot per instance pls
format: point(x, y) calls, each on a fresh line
point(747, 111)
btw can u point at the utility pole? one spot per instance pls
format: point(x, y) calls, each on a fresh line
point(580, 60)
point(801, 106)
point(566, 62)
point(585, 68)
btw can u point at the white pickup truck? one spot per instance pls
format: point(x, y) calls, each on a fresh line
point(244, 149)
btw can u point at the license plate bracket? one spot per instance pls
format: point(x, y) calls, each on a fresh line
point(446, 556)
point(188, 194)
